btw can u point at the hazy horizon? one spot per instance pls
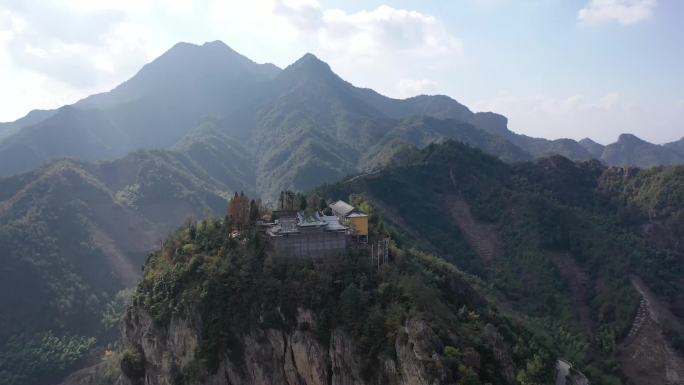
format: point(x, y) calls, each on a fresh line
point(580, 68)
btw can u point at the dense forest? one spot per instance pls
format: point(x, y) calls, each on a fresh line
point(559, 241)
point(231, 288)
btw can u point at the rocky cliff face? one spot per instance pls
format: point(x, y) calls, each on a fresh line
point(297, 357)
point(566, 374)
point(215, 310)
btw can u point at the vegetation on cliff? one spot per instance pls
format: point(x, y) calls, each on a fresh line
point(73, 234)
point(232, 286)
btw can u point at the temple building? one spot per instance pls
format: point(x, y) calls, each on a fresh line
point(304, 235)
point(312, 235)
point(353, 218)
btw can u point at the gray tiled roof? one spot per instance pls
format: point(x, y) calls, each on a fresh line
point(342, 208)
point(308, 220)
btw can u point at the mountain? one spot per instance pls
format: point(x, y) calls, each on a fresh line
point(591, 254)
point(311, 128)
point(544, 147)
point(585, 254)
point(314, 127)
point(33, 117)
point(632, 151)
point(213, 309)
point(419, 131)
point(677, 146)
point(595, 149)
point(73, 234)
point(221, 157)
point(153, 110)
point(303, 125)
point(531, 261)
point(443, 107)
point(85, 134)
point(190, 77)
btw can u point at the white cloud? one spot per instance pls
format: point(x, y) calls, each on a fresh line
point(384, 44)
point(84, 49)
point(625, 12)
point(609, 101)
point(370, 47)
point(386, 29)
point(413, 87)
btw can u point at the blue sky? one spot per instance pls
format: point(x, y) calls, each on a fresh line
point(556, 68)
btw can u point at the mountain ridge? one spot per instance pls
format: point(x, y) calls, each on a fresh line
point(629, 147)
point(190, 83)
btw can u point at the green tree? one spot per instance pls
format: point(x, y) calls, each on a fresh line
point(116, 308)
point(254, 213)
point(535, 372)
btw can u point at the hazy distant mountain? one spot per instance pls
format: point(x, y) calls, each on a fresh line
point(301, 126)
point(630, 150)
point(677, 146)
point(195, 78)
point(595, 149)
point(154, 109)
point(443, 107)
point(33, 117)
point(310, 127)
point(421, 130)
point(538, 147)
point(83, 134)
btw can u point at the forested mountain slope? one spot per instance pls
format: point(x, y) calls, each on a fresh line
point(572, 245)
point(75, 233)
point(562, 248)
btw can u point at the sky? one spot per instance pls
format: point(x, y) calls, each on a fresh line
point(555, 68)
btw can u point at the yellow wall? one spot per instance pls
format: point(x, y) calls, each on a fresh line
point(360, 225)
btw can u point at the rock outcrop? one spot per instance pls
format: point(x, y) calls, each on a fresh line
point(566, 374)
point(272, 356)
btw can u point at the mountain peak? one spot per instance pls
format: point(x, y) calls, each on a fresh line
point(594, 148)
point(184, 48)
point(631, 139)
point(588, 141)
point(189, 63)
point(309, 62)
point(310, 58)
point(215, 43)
